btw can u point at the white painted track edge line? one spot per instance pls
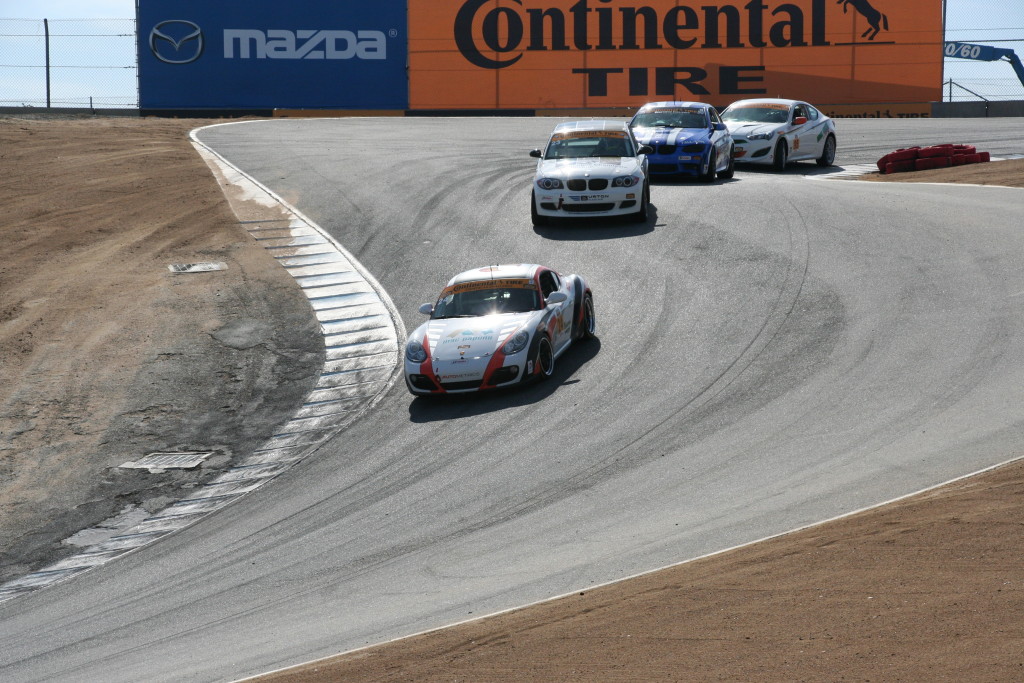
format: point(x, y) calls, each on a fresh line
point(640, 574)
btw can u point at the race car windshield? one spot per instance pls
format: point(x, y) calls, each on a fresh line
point(576, 147)
point(757, 115)
point(481, 302)
point(670, 119)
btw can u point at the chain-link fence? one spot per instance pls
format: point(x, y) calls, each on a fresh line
point(92, 63)
point(73, 63)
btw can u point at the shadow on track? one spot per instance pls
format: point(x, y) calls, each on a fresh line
point(431, 409)
point(689, 181)
point(608, 228)
point(792, 169)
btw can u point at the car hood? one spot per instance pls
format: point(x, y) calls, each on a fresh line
point(670, 136)
point(455, 338)
point(596, 167)
point(743, 129)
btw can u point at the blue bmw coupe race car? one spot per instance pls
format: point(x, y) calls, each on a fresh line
point(688, 139)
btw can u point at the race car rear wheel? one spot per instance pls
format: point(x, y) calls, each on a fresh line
point(588, 330)
point(709, 175)
point(730, 170)
point(534, 216)
point(781, 156)
point(828, 152)
point(545, 360)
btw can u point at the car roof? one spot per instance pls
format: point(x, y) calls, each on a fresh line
point(768, 100)
point(659, 105)
point(512, 271)
point(592, 124)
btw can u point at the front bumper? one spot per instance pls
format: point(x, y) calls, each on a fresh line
point(754, 151)
point(678, 160)
point(611, 201)
point(456, 377)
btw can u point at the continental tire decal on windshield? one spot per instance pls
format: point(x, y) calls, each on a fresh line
point(488, 284)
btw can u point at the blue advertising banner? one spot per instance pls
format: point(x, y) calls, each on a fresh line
point(196, 54)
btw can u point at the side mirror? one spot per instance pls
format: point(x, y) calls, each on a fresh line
point(535, 153)
point(556, 298)
point(800, 120)
point(719, 126)
point(427, 309)
point(645, 149)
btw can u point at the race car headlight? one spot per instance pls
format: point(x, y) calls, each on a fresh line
point(760, 136)
point(415, 353)
point(626, 181)
point(549, 184)
point(517, 343)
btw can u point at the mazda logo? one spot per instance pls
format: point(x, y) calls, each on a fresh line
point(176, 41)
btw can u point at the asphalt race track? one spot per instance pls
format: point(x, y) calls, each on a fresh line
point(773, 351)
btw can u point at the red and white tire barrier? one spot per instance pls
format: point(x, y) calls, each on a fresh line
point(924, 158)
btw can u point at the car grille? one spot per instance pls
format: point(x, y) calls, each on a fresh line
point(588, 207)
point(666, 149)
point(456, 386)
point(578, 184)
point(423, 382)
point(664, 168)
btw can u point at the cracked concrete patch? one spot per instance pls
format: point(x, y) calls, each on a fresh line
point(243, 333)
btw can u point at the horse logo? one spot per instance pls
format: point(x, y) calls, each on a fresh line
point(876, 20)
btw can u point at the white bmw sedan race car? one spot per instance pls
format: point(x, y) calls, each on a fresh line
point(775, 132)
point(590, 168)
point(495, 327)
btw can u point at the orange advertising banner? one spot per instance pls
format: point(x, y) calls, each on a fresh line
point(571, 54)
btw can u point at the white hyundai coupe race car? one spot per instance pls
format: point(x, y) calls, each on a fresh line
point(775, 132)
point(495, 327)
point(590, 168)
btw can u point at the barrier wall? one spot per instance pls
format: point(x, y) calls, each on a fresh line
point(231, 55)
point(552, 54)
point(529, 55)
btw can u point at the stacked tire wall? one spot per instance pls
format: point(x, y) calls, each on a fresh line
point(925, 158)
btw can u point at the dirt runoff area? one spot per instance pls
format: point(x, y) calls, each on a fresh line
point(106, 355)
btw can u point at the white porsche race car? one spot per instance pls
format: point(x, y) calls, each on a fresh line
point(495, 327)
point(590, 168)
point(776, 131)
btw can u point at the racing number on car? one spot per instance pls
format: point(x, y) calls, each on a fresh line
point(560, 325)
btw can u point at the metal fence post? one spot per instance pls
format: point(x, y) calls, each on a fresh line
point(46, 32)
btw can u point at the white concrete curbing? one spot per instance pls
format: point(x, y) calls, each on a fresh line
point(362, 333)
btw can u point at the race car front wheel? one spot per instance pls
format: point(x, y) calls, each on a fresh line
point(589, 327)
point(709, 175)
point(645, 199)
point(730, 170)
point(536, 217)
point(545, 360)
point(828, 152)
point(781, 156)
